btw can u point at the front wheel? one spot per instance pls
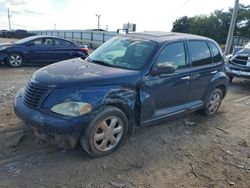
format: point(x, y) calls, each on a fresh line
point(105, 133)
point(15, 59)
point(213, 102)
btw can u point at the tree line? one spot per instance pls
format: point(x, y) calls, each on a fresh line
point(216, 24)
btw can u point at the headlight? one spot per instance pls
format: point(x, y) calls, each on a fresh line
point(72, 108)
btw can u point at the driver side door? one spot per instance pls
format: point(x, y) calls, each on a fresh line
point(165, 95)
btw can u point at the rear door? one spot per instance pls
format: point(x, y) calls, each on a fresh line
point(39, 50)
point(166, 95)
point(62, 50)
point(205, 63)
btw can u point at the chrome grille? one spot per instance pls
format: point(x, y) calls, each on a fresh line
point(33, 94)
point(240, 60)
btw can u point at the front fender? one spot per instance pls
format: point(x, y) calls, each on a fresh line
point(123, 98)
point(127, 101)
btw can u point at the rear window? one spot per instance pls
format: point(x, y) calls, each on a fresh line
point(216, 53)
point(59, 42)
point(200, 53)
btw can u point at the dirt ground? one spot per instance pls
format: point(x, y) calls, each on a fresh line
point(192, 151)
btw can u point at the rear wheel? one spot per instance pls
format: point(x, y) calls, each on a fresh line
point(105, 133)
point(15, 59)
point(213, 102)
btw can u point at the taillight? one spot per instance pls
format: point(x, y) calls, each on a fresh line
point(85, 50)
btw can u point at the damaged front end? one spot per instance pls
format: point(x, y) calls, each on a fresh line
point(59, 115)
point(239, 66)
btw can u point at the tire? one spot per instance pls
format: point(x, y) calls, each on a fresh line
point(15, 59)
point(230, 79)
point(105, 133)
point(213, 102)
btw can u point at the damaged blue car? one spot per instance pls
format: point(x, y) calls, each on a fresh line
point(139, 79)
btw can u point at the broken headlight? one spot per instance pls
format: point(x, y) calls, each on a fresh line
point(72, 108)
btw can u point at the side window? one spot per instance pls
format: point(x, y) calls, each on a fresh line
point(59, 42)
point(37, 42)
point(216, 53)
point(200, 53)
point(43, 42)
point(173, 54)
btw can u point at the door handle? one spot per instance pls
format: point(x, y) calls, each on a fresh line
point(213, 72)
point(185, 78)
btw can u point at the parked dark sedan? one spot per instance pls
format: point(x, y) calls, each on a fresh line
point(40, 50)
point(139, 79)
point(239, 64)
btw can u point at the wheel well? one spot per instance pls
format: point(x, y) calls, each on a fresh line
point(128, 113)
point(20, 53)
point(223, 89)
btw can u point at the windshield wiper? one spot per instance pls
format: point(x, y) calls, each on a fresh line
point(100, 62)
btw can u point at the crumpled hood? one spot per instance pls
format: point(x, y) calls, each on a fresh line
point(76, 72)
point(245, 51)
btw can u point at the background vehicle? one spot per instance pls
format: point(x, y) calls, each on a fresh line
point(40, 50)
point(139, 79)
point(239, 64)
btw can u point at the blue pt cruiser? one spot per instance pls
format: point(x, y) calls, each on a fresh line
point(139, 79)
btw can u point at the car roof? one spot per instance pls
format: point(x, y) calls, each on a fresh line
point(46, 36)
point(161, 36)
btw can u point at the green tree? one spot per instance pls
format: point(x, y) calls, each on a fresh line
point(216, 24)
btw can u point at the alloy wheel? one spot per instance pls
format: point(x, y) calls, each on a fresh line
point(108, 133)
point(15, 60)
point(214, 103)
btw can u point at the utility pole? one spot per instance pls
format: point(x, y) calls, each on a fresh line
point(9, 18)
point(98, 21)
point(231, 29)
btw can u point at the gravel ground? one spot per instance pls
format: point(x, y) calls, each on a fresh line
point(191, 151)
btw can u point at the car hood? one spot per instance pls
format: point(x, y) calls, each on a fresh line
point(75, 72)
point(244, 51)
point(7, 44)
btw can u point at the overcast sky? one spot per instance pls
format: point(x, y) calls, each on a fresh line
point(81, 14)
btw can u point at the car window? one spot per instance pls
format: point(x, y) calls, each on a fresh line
point(200, 53)
point(248, 45)
point(43, 42)
point(173, 54)
point(123, 52)
point(216, 53)
point(59, 42)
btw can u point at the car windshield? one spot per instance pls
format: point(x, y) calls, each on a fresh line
point(123, 52)
point(248, 45)
point(25, 40)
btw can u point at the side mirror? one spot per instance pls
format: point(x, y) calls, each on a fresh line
point(163, 68)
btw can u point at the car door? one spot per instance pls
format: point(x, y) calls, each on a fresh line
point(39, 50)
point(165, 94)
point(202, 69)
point(62, 50)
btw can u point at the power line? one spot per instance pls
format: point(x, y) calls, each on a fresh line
point(179, 7)
point(25, 12)
point(3, 23)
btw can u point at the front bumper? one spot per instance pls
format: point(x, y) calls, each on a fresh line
point(61, 131)
point(238, 71)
